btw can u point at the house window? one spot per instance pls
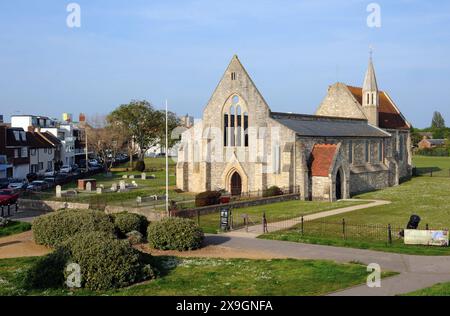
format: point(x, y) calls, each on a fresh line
point(367, 151)
point(24, 153)
point(34, 168)
point(49, 151)
point(41, 166)
point(49, 166)
point(33, 152)
point(350, 152)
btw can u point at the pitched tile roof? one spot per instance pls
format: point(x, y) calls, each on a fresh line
point(35, 140)
point(321, 159)
point(388, 114)
point(324, 126)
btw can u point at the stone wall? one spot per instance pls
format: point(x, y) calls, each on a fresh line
point(368, 181)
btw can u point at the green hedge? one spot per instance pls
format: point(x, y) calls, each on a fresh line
point(272, 191)
point(55, 228)
point(175, 234)
point(207, 198)
point(125, 223)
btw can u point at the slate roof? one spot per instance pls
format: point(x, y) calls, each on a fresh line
point(324, 126)
point(321, 159)
point(35, 140)
point(11, 137)
point(389, 116)
point(436, 141)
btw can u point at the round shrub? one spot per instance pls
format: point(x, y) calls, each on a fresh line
point(54, 228)
point(127, 222)
point(106, 262)
point(140, 166)
point(135, 237)
point(175, 233)
point(272, 191)
point(207, 198)
point(48, 271)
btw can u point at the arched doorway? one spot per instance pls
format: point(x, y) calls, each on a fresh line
point(236, 184)
point(339, 185)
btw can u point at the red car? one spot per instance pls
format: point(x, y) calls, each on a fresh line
point(8, 196)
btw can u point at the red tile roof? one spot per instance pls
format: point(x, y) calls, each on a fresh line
point(322, 157)
point(389, 117)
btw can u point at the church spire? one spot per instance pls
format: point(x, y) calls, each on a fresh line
point(370, 94)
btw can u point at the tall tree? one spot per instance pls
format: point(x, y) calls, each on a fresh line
point(437, 121)
point(142, 124)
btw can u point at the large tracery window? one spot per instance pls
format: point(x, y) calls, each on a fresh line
point(235, 124)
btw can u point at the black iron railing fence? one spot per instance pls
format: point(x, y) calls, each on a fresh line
point(431, 172)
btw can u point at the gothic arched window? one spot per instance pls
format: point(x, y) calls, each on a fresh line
point(235, 123)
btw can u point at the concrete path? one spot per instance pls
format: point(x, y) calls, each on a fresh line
point(416, 272)
point(256, 230)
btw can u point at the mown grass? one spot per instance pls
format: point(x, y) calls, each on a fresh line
point(440, 289)
point(14, 227)
point(425, 196)
point(216, 277)
point(274, 212)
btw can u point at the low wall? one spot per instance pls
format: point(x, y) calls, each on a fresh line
point(239, 204)
point(51, 206)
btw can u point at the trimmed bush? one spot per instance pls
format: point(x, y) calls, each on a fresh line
point(175, 233)
point(207, 198)
point(106, 262)
point(48, 271)
point(272, 191)
point(127, 222)
point(140, 166)
point(135, 237)
point(54, 228)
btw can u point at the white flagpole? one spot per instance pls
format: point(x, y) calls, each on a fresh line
point(167, 160)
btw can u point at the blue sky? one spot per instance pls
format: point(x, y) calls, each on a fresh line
point(179, 49)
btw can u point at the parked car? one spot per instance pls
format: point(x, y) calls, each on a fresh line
point(4, 183)
point(65, 169)
point(17, 184)
point(8, 196)
point(49, 173)
point(51, 181)
point(32, 176)
point(37, 185)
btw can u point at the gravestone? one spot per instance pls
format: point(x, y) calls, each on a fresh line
point(143, 176)
point(88, 187)
point(131, 176)
point(58, 191)
point(134, 184)
point(124, 176)
point(122, 185)
point(114, 187)
point(139, 200)
point(99, 190)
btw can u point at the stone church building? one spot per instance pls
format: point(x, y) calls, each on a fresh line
point(357, 141)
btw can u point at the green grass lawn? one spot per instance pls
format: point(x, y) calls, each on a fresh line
point(274, 212)
point(428, 197)
point(217, 277)
point(441, 289)
point(439, 165)
point(13, 228)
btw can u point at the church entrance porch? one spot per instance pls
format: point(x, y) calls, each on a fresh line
point(236, 184)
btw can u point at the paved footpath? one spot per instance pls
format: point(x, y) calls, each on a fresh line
point(416, 272)
point(256, 230)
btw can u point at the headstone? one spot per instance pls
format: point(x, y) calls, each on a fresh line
point(58, 191)
point(154, 197)
point(88, 187)
point(122, 185)
point(131, 176)
point(114, 187)
point(143, 176)
point(124, 176)
point(134, 184)
point(139, 200)
point(99, 190)
point(102, 186)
